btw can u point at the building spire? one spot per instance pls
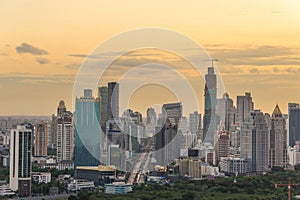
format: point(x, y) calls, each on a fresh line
point(277, 112)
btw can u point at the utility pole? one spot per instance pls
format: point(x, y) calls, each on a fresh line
point(288, 186)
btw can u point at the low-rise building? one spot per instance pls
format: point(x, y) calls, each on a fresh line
point(118, 188)
point(230, 165)
point(100, 175)
point(80, 184)
point(41, 177)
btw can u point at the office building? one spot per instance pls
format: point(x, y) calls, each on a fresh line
point(244, 106)
point(87, 130)
point(20, 160)
point(294, 123)
point(226, 113)
point(103, 95)
point(195, 124)
point(255, 141)
point(233, 166)
point(113, 100)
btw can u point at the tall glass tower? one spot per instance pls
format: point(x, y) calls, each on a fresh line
point(87, 131)
point(210, 94)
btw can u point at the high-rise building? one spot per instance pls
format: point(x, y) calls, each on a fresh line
point(254, 141)
point(226, 113)
point(195, 124)
point(294, 123)
point(151, 120)
point(20, 160)
point(53, 132)
point(87, 130)
point(103, 95)
point(65, 134)
point(167, 145)
point(41, 139)
point(244, 106)
point(190, 166)
point(278, 140)
point(222, 147)
point(113, 100)
point(210, 94)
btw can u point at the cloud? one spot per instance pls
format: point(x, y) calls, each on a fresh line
point(79, 55)
point(257, 55)
point(72, 66)
point(293, 70)
point(276, 69)
point(254, 71)
point(42, 61)
point(28, 48)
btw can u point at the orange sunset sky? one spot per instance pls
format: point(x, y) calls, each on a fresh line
point(43, 43)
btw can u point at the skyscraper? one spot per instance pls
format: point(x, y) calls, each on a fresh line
point(195, 124)
point(222, 147)
point(168, 147)
point(255, 141)
point(278, 140)
point(65, 134)
point(226, 113)
point(294, 123)
point(244, 106)
point(87, 130)
point(20, 160)
point(103, 95)
point(41, 139)
point(113, 100)
point(151, 120)
point(210, 94)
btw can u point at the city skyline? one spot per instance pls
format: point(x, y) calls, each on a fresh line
point(256, 44)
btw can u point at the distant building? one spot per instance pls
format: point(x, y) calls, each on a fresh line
point(278, 140)
point(20, 160)
point(113, 100)
point(244, 106)
point(65, 133)
point(195, 124)
point(118, 188)
point(294, 123)
point(151, 120)
point(41, 139)
point(100, 175)
point(255, 141)
point(103, 95)
point(226, 113)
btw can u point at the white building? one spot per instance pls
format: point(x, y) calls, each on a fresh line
point(233, 165)
point(41, 177)
point(20, 160)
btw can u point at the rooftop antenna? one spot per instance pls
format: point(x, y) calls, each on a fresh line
point(212, 62)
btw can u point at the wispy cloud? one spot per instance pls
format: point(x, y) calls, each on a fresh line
point(28, 48)
point(42, 61)
point(72, 66)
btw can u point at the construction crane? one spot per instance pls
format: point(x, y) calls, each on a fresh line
point(288, 185)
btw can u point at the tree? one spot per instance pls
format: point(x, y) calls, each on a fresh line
point(188, 196)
